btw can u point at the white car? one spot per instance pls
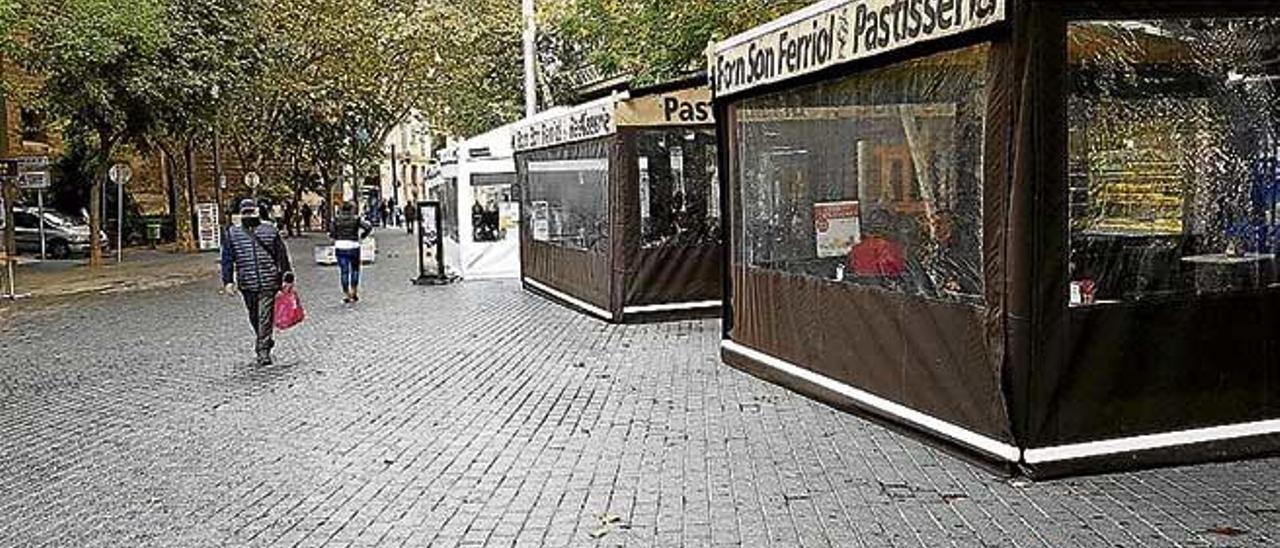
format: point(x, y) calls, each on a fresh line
point(368, 252)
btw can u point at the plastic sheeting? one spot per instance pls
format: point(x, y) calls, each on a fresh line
point(566, 237)
point(838, 175)
point(1110, 168)
point(1174, 148)
point(860, 233)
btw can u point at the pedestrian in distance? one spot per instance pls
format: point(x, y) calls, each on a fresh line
point(382, 214)
point(306, 217)
point(255, 260)
point(349, 229)
point(410, 217)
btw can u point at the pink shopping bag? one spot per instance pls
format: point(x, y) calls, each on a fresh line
point(289, 311)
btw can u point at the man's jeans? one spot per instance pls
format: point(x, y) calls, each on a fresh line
point(262, 315)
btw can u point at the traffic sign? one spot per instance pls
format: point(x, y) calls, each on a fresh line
point(252, 180)
point(36, 180)
point(32, 172)
point(121, 173)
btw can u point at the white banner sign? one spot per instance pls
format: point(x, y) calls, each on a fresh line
point(586, 122)
point(838, 31)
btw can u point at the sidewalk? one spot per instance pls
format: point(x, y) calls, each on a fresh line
point(142, 268)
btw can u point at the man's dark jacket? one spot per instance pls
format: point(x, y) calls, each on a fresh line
point(256, 267)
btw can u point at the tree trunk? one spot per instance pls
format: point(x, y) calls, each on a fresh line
point(100, 168)
point(171, 186)
point(182, 217)
point(326, 209)
point(95, 220)
point(189, 157)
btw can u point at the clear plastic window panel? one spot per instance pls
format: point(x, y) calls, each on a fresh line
point(679, 189)
point(1175, 190)
point(494, 213)
point(873, 180)
point(449, 208)
point(568, 196)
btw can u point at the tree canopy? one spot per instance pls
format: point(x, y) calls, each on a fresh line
point(652, 40)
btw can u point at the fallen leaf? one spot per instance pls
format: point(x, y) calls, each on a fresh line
point(607, 518)
point(1228, 531)
point(598, 533)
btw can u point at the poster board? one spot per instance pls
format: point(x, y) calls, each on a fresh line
point(208, 227)
point(540, 212)
point(837, 227)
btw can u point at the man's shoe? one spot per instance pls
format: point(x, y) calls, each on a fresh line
point(264, 360)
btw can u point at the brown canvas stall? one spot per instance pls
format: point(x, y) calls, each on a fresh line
point(621, 204)
point(1044, 232)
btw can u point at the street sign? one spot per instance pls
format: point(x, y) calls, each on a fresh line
point(252, 180)
point(31, 172)
point(38, 180)
point(121, 173)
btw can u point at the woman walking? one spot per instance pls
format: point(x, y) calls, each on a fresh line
point(348, 231)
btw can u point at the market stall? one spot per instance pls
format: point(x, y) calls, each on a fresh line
point(621, 204)
point(483, 218)
point(1044, 232)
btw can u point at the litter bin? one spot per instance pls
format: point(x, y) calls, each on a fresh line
point(153, 233)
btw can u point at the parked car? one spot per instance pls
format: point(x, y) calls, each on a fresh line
point(65, 236)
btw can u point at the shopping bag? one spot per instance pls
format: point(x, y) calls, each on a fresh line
point(289, 311)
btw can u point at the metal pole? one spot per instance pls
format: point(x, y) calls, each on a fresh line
point(120, 222)
point(530, 64)
point(40, 206)
point(395, 179)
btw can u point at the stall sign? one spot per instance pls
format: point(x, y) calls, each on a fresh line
point(541, 213)
point(589, 121)
point(838, 227)
point(208, 227)
point(838, 31)
point(688, 107)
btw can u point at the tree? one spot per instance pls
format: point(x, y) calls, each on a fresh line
point(97, 63)
point(650, 40)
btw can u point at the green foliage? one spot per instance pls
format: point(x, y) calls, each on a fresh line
point(652, 40)
point(97, 63)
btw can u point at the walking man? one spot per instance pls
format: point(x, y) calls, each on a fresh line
point(306, 217)
point(410, 217)
point(255, 260)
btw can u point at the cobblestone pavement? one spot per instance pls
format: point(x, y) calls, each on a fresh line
point(478, 415)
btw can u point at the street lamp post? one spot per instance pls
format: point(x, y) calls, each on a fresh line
point(530, 64)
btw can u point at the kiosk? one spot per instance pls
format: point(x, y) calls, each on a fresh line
point(1043, 232)
point(621, 204)
point(477, 176)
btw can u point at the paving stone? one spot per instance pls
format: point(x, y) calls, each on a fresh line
point(480, 415)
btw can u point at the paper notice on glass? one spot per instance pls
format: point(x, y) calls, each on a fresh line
point(838, 226)
point(508, 215)
point(540, 212)
point(677, 174)
point(644, 191)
